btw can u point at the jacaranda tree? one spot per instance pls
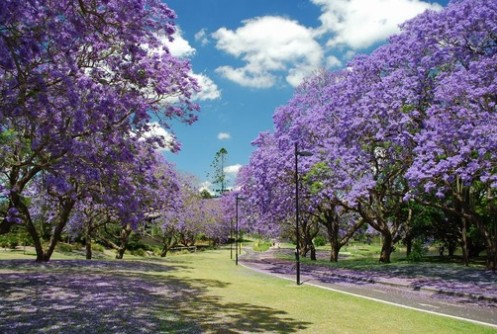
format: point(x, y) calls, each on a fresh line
point(408, 126)
point(77, 79)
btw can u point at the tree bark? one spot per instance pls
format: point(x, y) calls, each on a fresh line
point(464, 241)
point(30, 227)
point(408, 242)
point(123, 241)
point(451, 248)
point(67, 206)
point(313, 252)
point(386, 248)
point(334, 253)
point(88, 248)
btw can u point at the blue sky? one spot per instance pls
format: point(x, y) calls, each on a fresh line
point(249, 55)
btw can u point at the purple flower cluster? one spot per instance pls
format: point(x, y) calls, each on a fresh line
point(79, 81)
point(412, 121)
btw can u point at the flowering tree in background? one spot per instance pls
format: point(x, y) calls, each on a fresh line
point(455, 154)
point(189, 218)
point(77, 78)
point(408, 125)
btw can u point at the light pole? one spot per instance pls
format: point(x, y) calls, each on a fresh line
point(231, 238)
point(237, 198)
point(297, 250)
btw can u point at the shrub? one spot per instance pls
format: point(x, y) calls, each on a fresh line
point(319, 241)
point(4, 242)
point(97, 247)
point(13, 243)
point(138, 252)
point(64, 248)
point(418, 251)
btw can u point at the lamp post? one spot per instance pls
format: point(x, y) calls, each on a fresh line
point(237, 198)
point(231, 239)
point(297, 250)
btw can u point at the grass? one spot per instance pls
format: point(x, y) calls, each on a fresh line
point(191, 293)
point(261, 245)
point(361, 256)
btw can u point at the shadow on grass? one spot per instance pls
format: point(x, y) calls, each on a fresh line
point(123, 297)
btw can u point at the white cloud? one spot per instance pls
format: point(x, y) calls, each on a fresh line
point(179, 47)
point(208, 89)
point(156, 131)
point(245, 77)
point(233, 169)
point(223, 136)
point(333, 62)
point(271, 47)
point(359, 24)
point(202, 37)
point(206, 185)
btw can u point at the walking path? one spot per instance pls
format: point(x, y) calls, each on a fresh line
point(453, 291)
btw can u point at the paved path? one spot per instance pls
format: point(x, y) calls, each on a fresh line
point(453, 291)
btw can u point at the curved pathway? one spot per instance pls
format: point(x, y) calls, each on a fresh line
point(467, 294)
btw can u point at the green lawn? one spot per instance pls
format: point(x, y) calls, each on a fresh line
point(204, 292)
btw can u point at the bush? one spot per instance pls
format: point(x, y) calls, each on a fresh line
point(319, 241)
point(9, 241)
point(138, 252)
point(4, 242)
point(418, 251)
point(97, 247)
point(64, 248)
point(13, 243)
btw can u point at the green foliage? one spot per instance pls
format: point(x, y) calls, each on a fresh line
point(8, 241)
point(261, 245)
point(13, 243)
point(3, 242)
point(418, 251)
point(319, 241)
point(97, 247)
point(219, 175)
point(135, 243)
point(65, 247)
point(317, 173)
point(138, 252)
point(205, 194)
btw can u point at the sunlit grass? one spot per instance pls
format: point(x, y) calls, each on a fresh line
point(206, 292)
point(318, 310)
point(261, 245)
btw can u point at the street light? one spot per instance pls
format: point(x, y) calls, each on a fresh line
point(237, 198)
point(297, 251)
point(231, 239)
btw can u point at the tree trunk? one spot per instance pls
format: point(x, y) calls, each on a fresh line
point(64, 217)
point(408, 242)
point(123, 242)
point(386, 248)
point(120, 253)
point(451, 248)
point(88, 249)
point(335, 245)
point(313, 252)
point(335, 249)
point(164, 251)
point(490, 233)
point(491, 262)
point(464, 241)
